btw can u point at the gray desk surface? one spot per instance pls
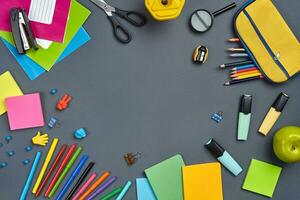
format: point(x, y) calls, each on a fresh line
point(148, 96)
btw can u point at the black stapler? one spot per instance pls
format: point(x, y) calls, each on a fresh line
point(21, 30)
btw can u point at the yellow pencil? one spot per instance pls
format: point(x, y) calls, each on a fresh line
point(246, 76)
point(45, 165)
point(244, 73)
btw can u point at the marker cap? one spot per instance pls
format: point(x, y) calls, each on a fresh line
point(246, 103)
point(216, 149)
point(280, 102)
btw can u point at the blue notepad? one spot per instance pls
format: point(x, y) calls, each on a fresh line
point(32, 69)
point(144, 190)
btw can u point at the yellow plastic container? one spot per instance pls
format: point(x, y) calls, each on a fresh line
point(163, 10)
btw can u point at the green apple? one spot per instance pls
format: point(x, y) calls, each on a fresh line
point(286, 144)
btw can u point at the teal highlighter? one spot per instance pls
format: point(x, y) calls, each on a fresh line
point(244, 117)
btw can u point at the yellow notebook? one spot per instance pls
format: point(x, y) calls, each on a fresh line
point(202, 182)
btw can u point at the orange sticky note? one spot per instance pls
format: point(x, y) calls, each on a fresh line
point(202, 182)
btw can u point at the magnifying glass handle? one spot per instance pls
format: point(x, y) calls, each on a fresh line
point(230, 6)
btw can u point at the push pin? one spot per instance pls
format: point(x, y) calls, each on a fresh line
point(217, 116)
point(10, 153)
point(53, 122)
point(200, 54)
point(8, 138)
point(131, 158)
point(80, 133)
point(29, 148)
point(3, 164)
point(63, 103)
point(26, 162)
point(53, 91)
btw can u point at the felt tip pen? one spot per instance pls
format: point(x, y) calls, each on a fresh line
point(30, 176)
point(103, 187)
point(244, 117)
point(124, 190)
point(113, 193)
point(73, 176)
point(223, 157)
point(80, 180)
point(65, 171)
point(85, 186)
point(273, 114)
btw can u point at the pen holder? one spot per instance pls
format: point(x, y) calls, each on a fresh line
point(163, 10)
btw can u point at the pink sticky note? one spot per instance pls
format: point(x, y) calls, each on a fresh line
point(54, 31)
point(24, 111)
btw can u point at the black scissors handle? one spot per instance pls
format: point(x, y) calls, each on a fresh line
point(120, 32)
point(135, 18)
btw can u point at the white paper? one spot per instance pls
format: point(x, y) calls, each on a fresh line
point(45, 44)
point(42, 11)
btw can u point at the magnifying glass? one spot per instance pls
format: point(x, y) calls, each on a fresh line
point(202, 20)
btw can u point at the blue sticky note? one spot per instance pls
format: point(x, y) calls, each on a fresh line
point(32, 69)
point(144, 190)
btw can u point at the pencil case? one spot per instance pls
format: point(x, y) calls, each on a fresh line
point(268, 40)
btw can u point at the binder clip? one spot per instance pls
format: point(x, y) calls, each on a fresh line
point(217, 116)
point(21, 31)
point(131, 158)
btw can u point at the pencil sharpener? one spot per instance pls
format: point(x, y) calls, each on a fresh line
point(163, 10)
point(200, 54)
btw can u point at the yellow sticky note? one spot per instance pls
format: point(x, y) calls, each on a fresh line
point(202, 182)
point(8, 88)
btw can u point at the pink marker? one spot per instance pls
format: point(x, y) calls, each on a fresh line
point(85, 186)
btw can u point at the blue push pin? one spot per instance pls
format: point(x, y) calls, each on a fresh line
point(29, 148)
point(52, 122)
point(26, 162)
point(53, 91)
point(8, 138)
point(3, 164)
point(217, 116)
point(80, 133)
point(10, 153)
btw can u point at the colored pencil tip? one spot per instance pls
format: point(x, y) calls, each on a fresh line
point(222, 66)
point(226, 83)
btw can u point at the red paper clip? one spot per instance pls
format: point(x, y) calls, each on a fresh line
point(63, 103)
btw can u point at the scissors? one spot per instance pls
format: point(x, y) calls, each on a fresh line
point(120, 32)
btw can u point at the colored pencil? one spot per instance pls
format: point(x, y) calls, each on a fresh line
point(30, 176)
point(111, 194)
point(244, 73)
point(102, 188)
point(60, 169)
point(233, 64)
point(124, 191)
point(244, 70)
point(236, 49)
point(52, 168)
point(45, 165)
point(80, 180)
point(228, 83)
point(238, 55)
point(65, 171)
point(85, 186)
point(94, 185)
point(233, 40)
point(247, 76)
point(73, 176)
point(243, 67)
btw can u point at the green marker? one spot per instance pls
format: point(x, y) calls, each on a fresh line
point(244, 117)
point(65, 171)
point(113, 193)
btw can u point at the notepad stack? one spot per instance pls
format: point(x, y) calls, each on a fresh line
point(58, 32)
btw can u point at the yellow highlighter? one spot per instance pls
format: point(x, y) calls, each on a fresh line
point(274, 113)
point(45, 165)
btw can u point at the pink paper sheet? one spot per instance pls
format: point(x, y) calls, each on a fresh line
point(24, 111)
point(54, 32)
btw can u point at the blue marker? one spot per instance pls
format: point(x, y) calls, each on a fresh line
point(124, 190)
point(30, 176)
point(223, 157)
point(73, 176)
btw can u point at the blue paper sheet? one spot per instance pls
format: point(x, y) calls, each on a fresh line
point(144, 190)
point(32, 69)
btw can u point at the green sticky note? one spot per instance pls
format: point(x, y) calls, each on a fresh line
point(165, 178)
point(47, 57)
point(262, 178)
